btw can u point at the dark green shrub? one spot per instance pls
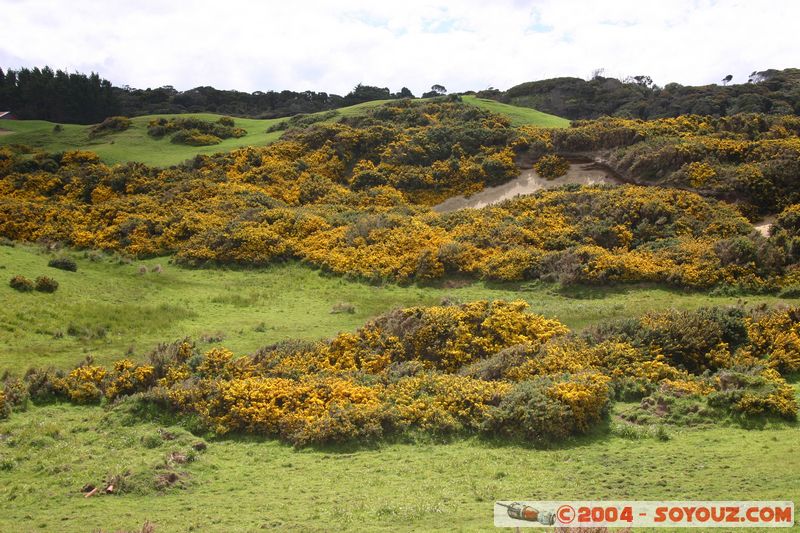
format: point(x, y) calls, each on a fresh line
point(21, 283)
point(5, 407)
point(528, 412)
point(45, 284)
point(16, 393)
point(550, 408)
point(343, 423)
point(63, 263)
point(753, 392)
point(110, 125)
point(792, 291)
point(157, 130)
point(496, 366)
point(278, 126)
point(43, 383)
point(195, 131)
point(687, 338)
point(736, 251)
point(194, 138)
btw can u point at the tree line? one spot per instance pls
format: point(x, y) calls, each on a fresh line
point(769, 91)
point(59, 96)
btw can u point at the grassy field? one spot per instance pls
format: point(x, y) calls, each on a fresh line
point(248, 484)
point(135, 145)
point(520, 116)
point(132, 144)
point(109, 309)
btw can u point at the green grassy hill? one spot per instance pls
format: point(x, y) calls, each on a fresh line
point(110, 309)
point(520, 116)
point(135, 145)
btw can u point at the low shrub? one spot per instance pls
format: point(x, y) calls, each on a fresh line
point(128, 378)
point(195, 131)
point(194, 138)
point(551, 166)
point(751, 392)
point(15, 392)
point(487, 367)
point(110, 125)
point(313, 410)
point(775, 337)
point(444, 403)
point(792, 291)
point(5, 408)
point(21, 283)
point(44, 384)
point(63, 263)
point(551, 408)
point(46, 284)
point(84, 384)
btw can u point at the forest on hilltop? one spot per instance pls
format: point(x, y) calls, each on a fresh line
point(769, 91)
point(59, 96)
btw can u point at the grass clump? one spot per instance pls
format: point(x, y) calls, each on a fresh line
point(343, 307)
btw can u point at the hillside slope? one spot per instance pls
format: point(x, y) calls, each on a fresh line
point(109, 308)
point(520, 116)
point(770, 91)
point(135, 145)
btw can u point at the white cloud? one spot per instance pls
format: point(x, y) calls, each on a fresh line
point(330, 46)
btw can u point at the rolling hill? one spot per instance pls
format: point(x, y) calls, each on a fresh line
point(135, 145)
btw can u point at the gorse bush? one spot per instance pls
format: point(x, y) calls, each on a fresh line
point(63, 263)
point(754, 393)
point(551, 166)
point(750, 157)
point(21, 283)
point(353, 197)
point(110, 125)
point(194, 138)
point(46, 284)
point(302, 120)
point(481, 368)
point(5, 408)
point(194, 131)
point(775, 336)
point(550, 408)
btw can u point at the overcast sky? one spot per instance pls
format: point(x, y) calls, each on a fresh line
point(332, 45)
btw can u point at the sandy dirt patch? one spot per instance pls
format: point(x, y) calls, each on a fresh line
point(527, 182)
